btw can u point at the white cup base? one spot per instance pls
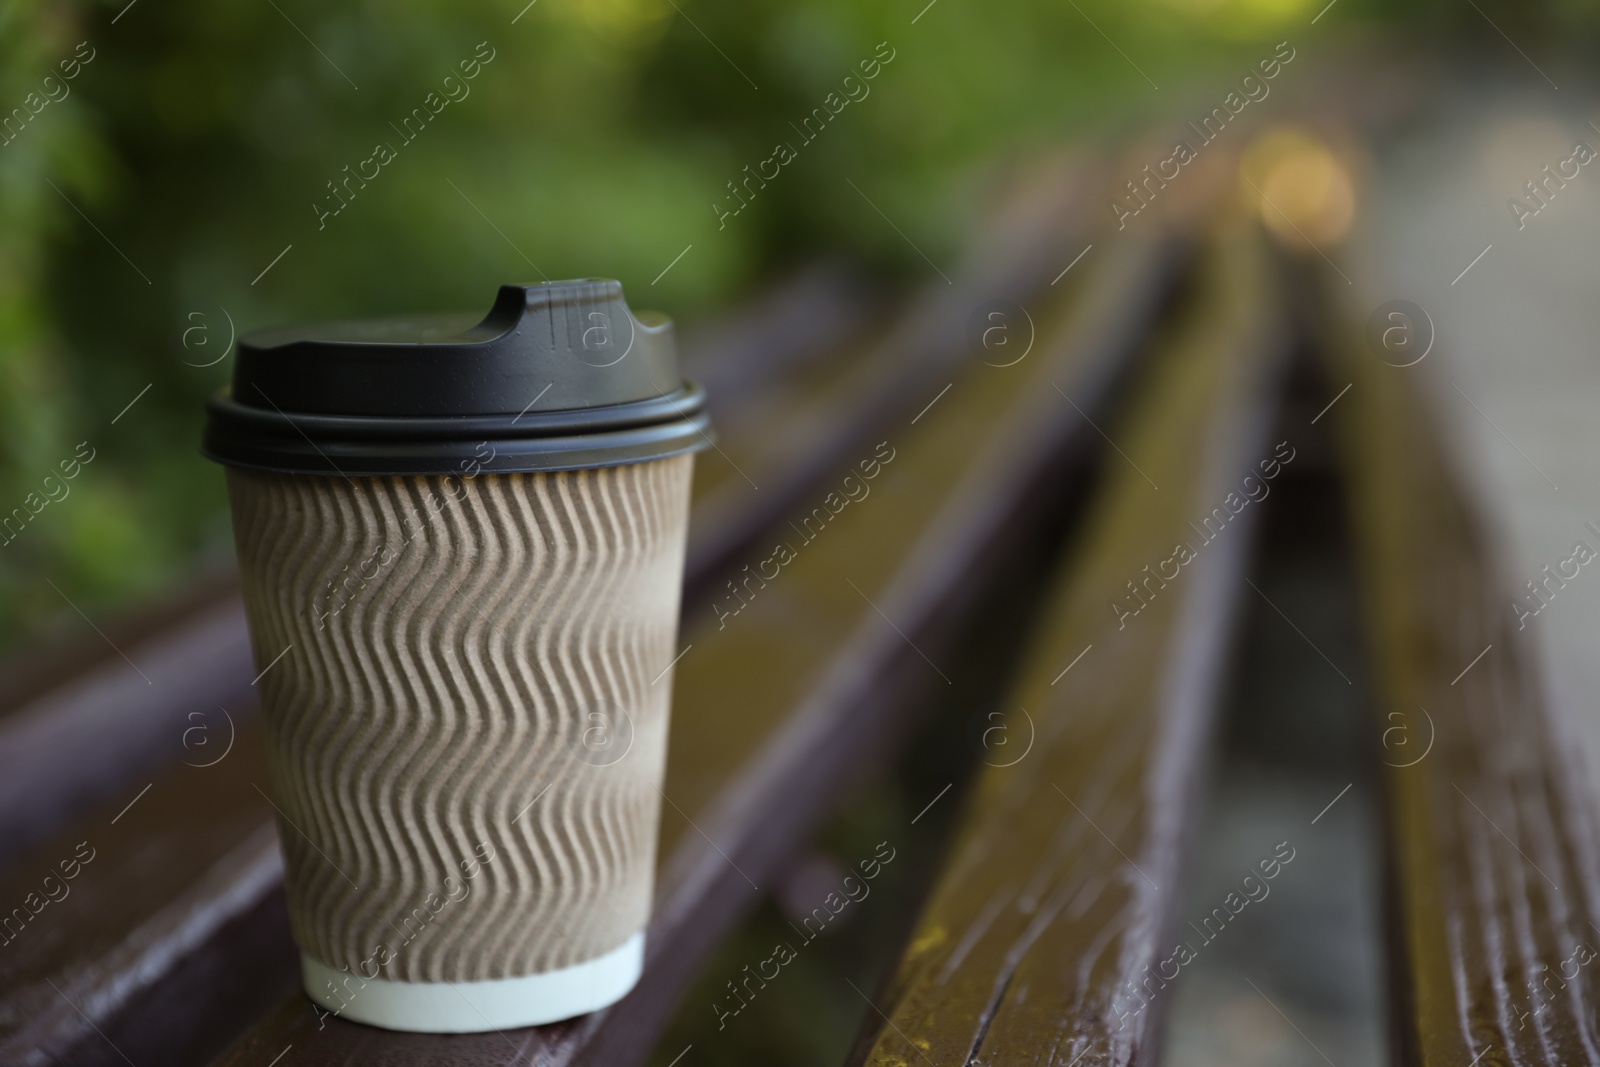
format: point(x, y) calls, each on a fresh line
point(474, 1007)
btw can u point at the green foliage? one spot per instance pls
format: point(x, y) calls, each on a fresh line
point(596, 141)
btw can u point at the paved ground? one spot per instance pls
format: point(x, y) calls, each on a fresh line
point(1514, 375)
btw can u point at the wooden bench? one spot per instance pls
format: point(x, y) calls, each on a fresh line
point(824, 622)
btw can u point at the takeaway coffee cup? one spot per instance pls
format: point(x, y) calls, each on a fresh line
point(462, 548)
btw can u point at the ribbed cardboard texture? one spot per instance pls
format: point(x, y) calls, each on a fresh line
point(466, 708)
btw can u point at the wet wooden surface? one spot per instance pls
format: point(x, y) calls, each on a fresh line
point(1495, 849)
point(1059, 895)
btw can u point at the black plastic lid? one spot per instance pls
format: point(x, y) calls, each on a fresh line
point(557, 377)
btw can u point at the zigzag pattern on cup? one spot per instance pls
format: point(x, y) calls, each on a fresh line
point(469, 668)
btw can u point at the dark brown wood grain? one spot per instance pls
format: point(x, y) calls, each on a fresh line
point(1060, 891)
point(776, 706)
point(1495, 858)
point(80, 742)
point(70, 649)
point(114, 908)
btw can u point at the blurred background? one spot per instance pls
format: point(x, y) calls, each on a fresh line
point(195, 145)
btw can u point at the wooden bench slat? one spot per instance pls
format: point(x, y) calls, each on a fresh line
point(776, 708)
point(1495, 856)
point(99, 937)
point(1063, 880)
point(82, 742)
point(38, 667)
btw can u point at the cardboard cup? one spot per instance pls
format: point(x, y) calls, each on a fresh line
point(466, 694)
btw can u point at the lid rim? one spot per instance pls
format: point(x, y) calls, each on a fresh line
point(458, 455)
point(685, 402)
